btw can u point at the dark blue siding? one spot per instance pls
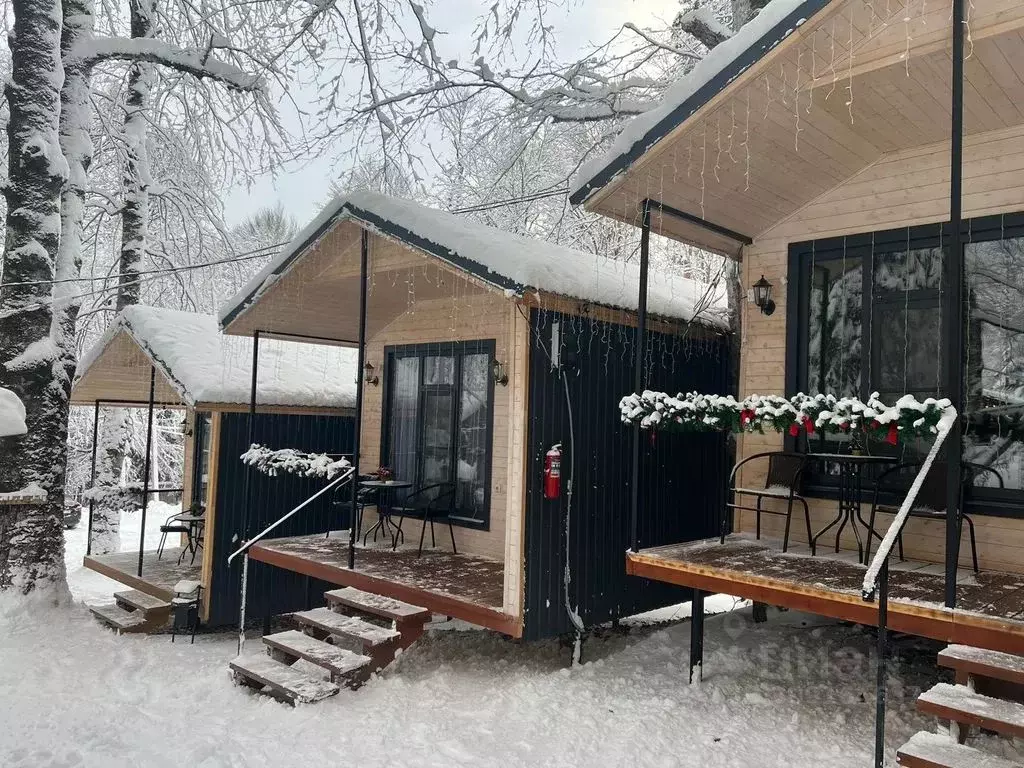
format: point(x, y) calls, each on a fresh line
point(271, 590)
point(684, 476)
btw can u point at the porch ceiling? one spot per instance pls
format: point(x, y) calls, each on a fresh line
point(812, 115)
point(319, 295)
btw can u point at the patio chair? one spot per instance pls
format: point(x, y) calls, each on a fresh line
point(430, 503)
point(173, 524)
point(365, 497)
point(781, 482)
point(930, 503)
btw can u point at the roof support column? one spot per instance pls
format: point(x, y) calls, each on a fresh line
point(92, 474)
point(638, 368)
point(952, 307)
point(364, 253)
point(251, 438)
point(146, 468)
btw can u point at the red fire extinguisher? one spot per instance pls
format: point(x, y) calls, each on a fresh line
point(553, 472)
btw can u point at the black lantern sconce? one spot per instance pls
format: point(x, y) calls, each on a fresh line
point(369, 376)
point(763, 296)
point(498, 372)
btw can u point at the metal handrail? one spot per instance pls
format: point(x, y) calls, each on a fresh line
point(335, 483)
point(876, 578)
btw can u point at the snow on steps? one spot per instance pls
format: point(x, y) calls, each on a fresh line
point(377, 605)
point(347, 627)
point(980, 662)
point(117, 618)
point(344, 665)
point(936, 750)
point(962, 705)
point(134, 600)
point(280, 680)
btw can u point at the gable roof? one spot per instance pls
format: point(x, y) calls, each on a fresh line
point(710, 76)
point(204, 366)
point(507, 261)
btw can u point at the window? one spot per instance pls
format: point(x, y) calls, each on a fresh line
point(201, 460)
point(866, 315)
point(439, 419)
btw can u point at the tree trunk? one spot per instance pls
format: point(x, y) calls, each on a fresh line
point(113, 438)
point(31, 363)
point(136, 178)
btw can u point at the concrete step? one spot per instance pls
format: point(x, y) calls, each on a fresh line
point(980, 662)
point(344, 665)
point(116, 617)
point(936, 750)
point(134, 600)
point(960, 704)
point(377, 605)
point(363, 633)
point(264, 674)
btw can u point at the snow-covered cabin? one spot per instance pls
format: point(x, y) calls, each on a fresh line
point(483, 350)
point(305, 399)
point(850, 154)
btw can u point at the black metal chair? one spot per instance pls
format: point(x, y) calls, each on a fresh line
point(930, 503)
point(172, 525)
point(365, 497)
point(781, 482)
point(430, 503)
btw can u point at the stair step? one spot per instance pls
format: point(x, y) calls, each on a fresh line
point(981, 662)
point(340, 662)
point(135, 600)
point(284, 682)
point(936, 750)
point(377, 605)
point(118, 618)
point(962, 705)
point(349, 627)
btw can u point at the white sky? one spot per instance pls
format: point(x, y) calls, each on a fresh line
point(304, 189)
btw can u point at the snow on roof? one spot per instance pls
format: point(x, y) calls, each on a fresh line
point(511, 262)
point(12, 414)
point(205, 366)
point(776, 21)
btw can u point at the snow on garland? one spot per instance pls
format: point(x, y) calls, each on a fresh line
point(271, 462)
point(694, 412)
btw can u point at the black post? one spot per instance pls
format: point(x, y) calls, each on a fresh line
point(92, 473)
point(146, 463)
point(638, 369)
point(251, 438)
point(883, 617)
point(364, 254)
point(952, 308)
point(697, 637)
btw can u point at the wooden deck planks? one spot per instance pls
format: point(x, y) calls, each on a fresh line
point(986, 609)
point(467, 587)
point(158, 576)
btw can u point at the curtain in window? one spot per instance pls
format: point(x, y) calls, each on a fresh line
point(473, 435)
point(403, 406)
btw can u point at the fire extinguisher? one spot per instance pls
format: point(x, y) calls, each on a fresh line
point(553, 472)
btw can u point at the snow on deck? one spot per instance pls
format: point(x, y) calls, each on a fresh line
point(205, 366)
point(512, 262)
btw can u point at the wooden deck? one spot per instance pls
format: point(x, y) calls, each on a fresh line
point(465, 587)
point(158, 576)
point(989, 612)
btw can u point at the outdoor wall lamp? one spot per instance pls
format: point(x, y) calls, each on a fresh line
point(498, 372)
point(369, 376)
point(763, 296)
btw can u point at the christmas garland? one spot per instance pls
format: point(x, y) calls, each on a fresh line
point(272, 462)
point(694, 412)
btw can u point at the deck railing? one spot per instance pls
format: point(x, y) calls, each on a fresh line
point(876, 579)
point(243, 550)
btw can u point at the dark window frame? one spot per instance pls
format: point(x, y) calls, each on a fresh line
point(457, 349)
point(985, 501)
point(202, 431)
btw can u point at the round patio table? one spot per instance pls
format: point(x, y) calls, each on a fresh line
point(851, 495)
point(386, 489)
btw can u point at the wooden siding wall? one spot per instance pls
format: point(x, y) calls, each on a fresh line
point(467, 312)
point(902, 189)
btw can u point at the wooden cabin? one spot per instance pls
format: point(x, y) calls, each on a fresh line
point(863, 158)
point(481, 351)
point(180, 360)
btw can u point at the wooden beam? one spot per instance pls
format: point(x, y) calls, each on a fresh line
point(129, 579)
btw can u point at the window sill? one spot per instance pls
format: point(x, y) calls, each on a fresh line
point(470, 522)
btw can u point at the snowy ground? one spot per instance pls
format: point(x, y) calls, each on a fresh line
point(794, 692)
